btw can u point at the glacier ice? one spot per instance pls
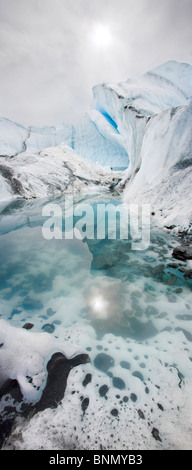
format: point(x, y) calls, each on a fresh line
point(141, 127)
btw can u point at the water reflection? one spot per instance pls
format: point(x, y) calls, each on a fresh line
point(100, 282)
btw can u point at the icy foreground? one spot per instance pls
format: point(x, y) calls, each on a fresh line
point(128, 311)
point(143, 125)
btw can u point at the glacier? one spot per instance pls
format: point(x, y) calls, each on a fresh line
point(140, 128)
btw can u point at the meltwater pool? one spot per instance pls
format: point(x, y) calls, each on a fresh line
point(129, 309)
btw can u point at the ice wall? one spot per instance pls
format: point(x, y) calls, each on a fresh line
point(132, 103)
point(16, 139)
point(153, 114)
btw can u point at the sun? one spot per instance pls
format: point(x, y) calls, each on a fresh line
point(101, 36)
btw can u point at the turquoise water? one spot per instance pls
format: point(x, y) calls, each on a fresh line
point(140, 287)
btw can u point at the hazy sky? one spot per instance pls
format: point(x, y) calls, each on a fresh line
point(51, 54)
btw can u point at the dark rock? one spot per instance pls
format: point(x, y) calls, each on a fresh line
point(87, 380)
point(155, 434)
point(170, 227)
point(141, 414)
point(160, 406)
point(188, 274)
point(103, 362)
point(182, 252)
point(7, 417)
point(58, 370)
point(103, 390)
point(114, 412)
point(28, 326)
point(85, 404)
point(11, 386)
point(5, 428)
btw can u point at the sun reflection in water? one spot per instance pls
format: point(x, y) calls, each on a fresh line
point(99, 306)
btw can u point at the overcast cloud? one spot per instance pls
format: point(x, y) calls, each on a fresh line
point(49, 64)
